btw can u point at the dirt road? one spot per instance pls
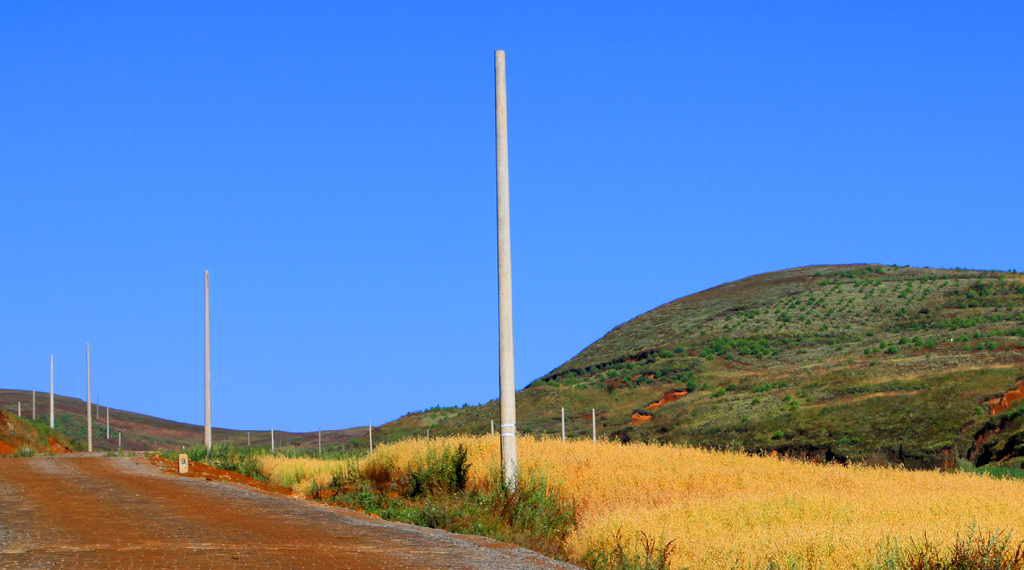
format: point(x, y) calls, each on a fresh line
point(123, 513)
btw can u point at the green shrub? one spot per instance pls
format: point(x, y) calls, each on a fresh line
point(446, 472)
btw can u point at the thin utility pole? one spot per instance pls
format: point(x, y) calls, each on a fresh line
point(248, 442)
point(208, 430)
point(271, 438)
point(119, 441)
point(563, 424)
point(33, 403)
point(108, 422)
point(19, 409)
point(88, 397)
point(319, 446)
point(371, 437)
point(506, 361)
point(492, 427)
point(593, 419)
point(51, 391)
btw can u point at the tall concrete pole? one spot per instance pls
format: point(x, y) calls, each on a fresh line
point(88, 397)
point(51, 391)
point(271, 438)
point(208, 433)
point(371, 437)
point(19, 409)
point(33, 402)
point(563, 424)
point(108, 422)
point(319, 446)
point(506, 366)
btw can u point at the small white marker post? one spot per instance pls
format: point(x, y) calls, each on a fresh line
point(19, 409)
point(492, 427)
point(119, 441)
point(593, 418)
point(563, 424)
point(182, 463)
point(271, 438)
point(428, 435)
point(371, 437)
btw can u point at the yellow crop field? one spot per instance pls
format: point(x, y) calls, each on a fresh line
point(727, 510)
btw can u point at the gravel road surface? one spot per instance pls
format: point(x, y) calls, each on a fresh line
point(124, 513)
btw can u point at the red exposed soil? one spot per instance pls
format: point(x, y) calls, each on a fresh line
point(639, 418)
point(1002, 403)
point(55, 446)
point(6, 449)
point(668, 398)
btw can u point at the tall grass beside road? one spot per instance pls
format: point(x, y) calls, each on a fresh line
point(635, 505)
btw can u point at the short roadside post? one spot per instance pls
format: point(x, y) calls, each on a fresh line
point(182, 463)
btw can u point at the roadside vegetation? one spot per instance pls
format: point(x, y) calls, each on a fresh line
point(23, 437)
point(649, 506)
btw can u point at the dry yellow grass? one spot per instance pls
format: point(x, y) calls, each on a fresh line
point(729, 510)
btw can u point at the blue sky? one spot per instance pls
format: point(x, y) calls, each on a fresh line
point(332, 165)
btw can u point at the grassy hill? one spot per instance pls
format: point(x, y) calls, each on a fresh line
point(141, 432)
point(868, 363)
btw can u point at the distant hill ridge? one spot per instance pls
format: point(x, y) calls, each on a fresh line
point(857, 362)
point(142, 432)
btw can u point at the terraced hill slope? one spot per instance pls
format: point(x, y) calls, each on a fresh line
point(881, 364)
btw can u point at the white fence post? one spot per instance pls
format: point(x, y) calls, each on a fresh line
point(593, 419)
point(51, 391)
